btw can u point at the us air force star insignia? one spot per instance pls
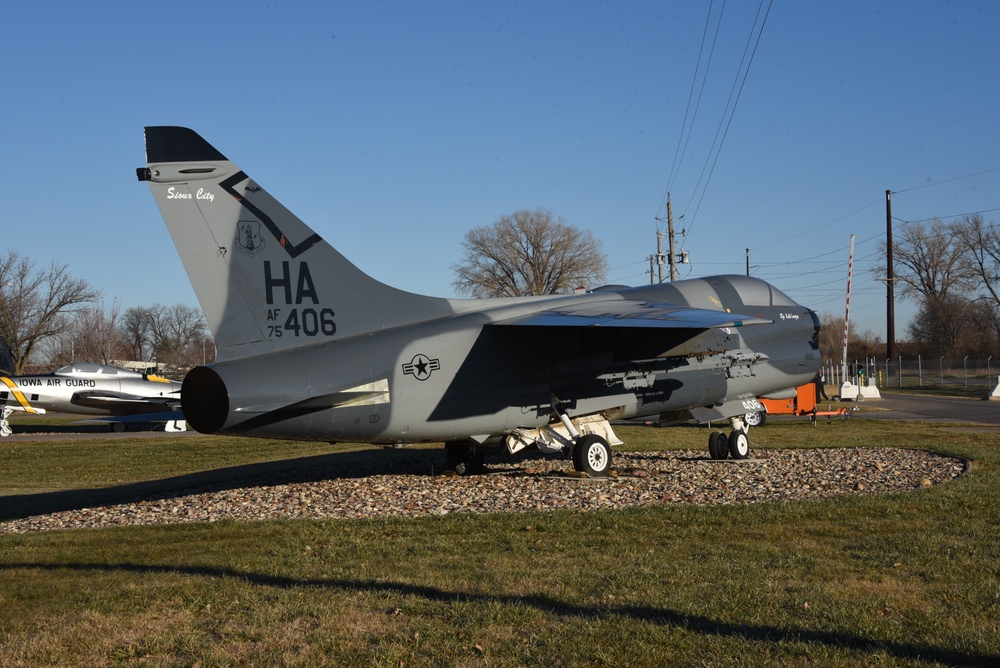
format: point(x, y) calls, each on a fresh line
point(421, 366)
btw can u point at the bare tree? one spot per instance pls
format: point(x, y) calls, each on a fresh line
point(942, 325)
point(91, 334)
point(528, 253)
point(980, 244)
point(180, 333)
point(928, 263)
point(831, 339)
point(32, 304)
point(97, 334)
point(137, 331)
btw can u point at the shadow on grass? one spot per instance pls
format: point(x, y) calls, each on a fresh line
point(695, 623)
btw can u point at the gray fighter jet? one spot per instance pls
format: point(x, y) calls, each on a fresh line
point(312, 348)
point(85, 388)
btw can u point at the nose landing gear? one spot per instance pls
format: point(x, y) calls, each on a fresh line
point(736, 445)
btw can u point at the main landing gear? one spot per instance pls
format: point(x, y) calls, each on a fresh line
point(465, 458)
point(588, 439)
point(5, 429)
point(592, 455)
point(736, 445)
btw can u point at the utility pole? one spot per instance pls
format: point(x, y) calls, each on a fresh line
point(659, 257)
point(670, 239)
point(748, 262)
point(670, 255)
point(890, 297)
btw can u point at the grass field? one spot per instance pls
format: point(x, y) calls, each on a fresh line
point(901, 579)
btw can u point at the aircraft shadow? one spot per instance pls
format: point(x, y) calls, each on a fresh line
point(648, 614)
point(357, 464)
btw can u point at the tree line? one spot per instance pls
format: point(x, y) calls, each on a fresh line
point(951, 271)
point(49, 317)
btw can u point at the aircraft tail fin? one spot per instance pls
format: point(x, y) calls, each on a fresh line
point(265, 280)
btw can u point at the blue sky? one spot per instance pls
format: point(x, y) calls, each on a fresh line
point(394, 127)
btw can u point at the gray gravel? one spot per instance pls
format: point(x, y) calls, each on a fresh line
point(409, 487)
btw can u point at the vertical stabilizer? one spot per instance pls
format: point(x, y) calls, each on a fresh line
point(265, 280)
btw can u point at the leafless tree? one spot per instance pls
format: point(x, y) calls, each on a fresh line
point(180, 334)
point(97, 333)
point(137, 330)
point(33, 303)
point(980, 243)
point(943, 325)
point(528, 253)
point(92, 334)
point(831, 339)
point(928, 263)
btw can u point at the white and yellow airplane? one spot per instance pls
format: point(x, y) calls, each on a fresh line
point(85, 388)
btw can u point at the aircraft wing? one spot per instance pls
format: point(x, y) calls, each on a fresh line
point(124, 404)
point(165, 415)
point(631, 313)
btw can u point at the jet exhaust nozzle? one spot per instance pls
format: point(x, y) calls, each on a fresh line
point(205, 400)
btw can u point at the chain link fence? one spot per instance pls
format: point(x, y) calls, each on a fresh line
point(919, 372)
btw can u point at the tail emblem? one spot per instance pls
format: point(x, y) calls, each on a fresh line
point(248, 237)
point(229, 185)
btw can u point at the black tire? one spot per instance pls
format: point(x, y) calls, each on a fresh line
point(718, 445)
point(755, 419)
point(739, 444)
point(592, 455)
point(464, 458)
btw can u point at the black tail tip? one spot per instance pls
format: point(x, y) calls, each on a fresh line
point(174, 144)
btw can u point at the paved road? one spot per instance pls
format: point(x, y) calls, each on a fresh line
point(933, 409)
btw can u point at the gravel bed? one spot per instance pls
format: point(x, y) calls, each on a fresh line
point(409, 487)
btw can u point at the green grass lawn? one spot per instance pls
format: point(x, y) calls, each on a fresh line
point(902, 579)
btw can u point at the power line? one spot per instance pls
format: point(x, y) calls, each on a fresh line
point(942, 218)
point(679, 151)
point(732, 112)
point(937, 183)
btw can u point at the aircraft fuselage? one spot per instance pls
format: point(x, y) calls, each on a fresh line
point(462, 375)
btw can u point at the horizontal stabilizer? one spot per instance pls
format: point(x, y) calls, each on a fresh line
point(368, 394)
point(118, 404)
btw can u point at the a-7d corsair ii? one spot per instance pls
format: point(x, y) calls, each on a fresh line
point(312, 348)
point(91, 389)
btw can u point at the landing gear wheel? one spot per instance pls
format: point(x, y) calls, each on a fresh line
point(739, 444)
point(718, 445)
point(5, 429)
point(117, 427)
point(755, 419)
point(592, 455)
point(464, 458)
